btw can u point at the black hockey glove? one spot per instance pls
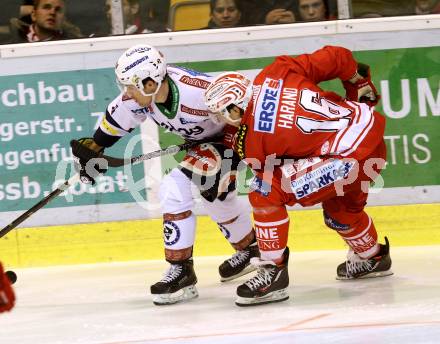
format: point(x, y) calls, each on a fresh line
point(87, 162)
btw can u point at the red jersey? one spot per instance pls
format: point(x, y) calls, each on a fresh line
point(292, 117)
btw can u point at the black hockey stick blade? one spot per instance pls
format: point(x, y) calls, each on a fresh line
point(60, 189)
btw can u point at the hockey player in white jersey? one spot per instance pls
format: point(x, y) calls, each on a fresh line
point(173, 98)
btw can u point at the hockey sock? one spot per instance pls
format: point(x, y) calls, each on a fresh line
point(178, 235)
point(271, 230)
point(362, 237)
point(238, 231)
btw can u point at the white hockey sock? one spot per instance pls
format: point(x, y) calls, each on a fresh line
point(179, 233)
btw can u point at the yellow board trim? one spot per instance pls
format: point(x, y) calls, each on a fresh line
point(405, 225)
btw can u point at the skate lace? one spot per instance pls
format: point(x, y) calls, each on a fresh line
point(238, 258)
point(264, 274)
point(172, 273)
point(355, 264)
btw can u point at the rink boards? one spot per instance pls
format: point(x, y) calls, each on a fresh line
point(405, 225)
point(53, 92)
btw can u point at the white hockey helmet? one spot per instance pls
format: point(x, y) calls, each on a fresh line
point(139, 63)
point(230, 88)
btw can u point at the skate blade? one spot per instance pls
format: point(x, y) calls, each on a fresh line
point(370, 275)
point(245, 271)
point(275, 296)
point(183, 294)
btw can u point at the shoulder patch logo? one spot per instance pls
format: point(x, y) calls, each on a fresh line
point(196, 82)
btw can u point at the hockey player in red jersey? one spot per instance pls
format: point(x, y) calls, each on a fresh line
point(306, 146)
point(7, 296)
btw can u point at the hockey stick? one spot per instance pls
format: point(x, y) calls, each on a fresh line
point(60, 189)
point(171, 150)
point(112, 162)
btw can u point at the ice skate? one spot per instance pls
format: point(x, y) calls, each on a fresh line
point(268, 285)
point(355, 267)
point(239, 264)
point(178, 284)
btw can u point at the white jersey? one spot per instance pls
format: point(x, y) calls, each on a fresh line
point(188, 116)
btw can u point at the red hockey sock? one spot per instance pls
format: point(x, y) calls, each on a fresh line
point(362, 237)
point(271, 230)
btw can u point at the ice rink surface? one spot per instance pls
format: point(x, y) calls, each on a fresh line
point(111, 304)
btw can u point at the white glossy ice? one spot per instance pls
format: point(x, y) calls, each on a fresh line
point(110, 303)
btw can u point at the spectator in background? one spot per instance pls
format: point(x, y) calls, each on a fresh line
point(132, 18)
point(47, 24)
point(224, 14)
point(312, 10)
point(155, 14)
point(268, 12)
point(427, 7)
point(280, 15)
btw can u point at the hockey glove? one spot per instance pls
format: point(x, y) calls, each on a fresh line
point(362, 88)
point(87, 161)
point(7, 296)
